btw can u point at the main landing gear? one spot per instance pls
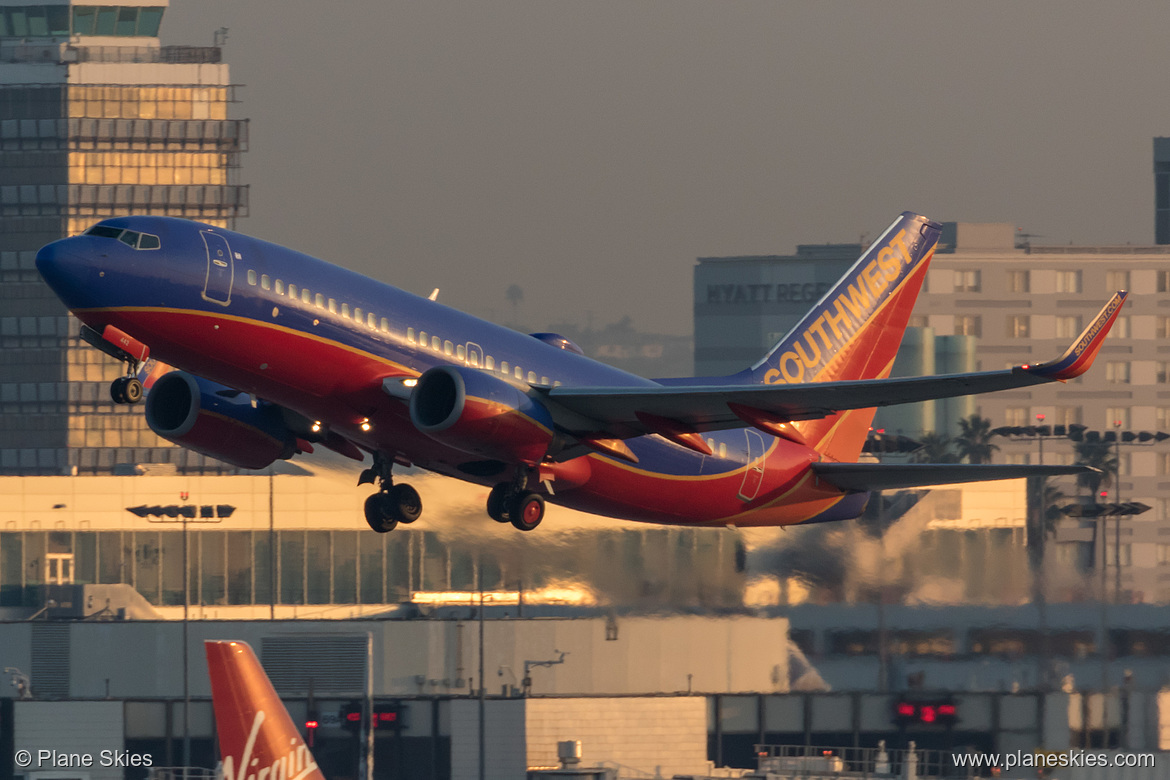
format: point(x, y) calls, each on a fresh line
point(514, 503)
point(392, 504)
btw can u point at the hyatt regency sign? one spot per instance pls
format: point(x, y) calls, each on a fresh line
point(767, 293)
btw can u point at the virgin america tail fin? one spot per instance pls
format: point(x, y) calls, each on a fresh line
point(257, 738)
point(854, 331)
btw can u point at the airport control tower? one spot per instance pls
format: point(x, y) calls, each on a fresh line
point(97, 119)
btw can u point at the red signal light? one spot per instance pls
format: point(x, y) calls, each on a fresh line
point(311, 724)
point(905, 709)
point(947, 710)
point(928, 714)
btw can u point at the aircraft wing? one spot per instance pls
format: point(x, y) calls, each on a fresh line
point(634, 411)
point(896, 476)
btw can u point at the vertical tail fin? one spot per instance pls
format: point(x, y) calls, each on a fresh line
point(855, 330)
point(257, 738)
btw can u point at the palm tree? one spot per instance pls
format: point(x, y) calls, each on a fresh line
point(936, 448)
point(1099, 455)
point(974, 439)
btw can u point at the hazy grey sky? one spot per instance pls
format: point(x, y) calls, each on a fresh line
point(589, 151)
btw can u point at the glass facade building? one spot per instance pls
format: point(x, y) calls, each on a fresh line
point(97, 119)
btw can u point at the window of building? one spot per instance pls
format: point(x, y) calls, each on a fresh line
point(1019, 281)
point(1068, 281)
point(968, 325)
point(1019, 326)
point(1117, 373)
point(1162, 554)
point(1117, 417)
point(1015, 415)
point(1066, 415)
point(1120, 328)
point(1116, 280)
point(968, 281)
point(1068, 327)
point(1163, 464)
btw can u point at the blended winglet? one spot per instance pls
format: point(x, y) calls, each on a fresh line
point(1077, 359)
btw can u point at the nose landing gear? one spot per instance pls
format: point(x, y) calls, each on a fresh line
point(392, 504)
point(126, 390)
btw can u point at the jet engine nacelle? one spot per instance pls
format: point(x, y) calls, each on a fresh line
point(190, 412)
point(473, 411)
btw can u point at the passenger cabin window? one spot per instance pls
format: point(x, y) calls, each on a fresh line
point(332, 306)
point(345, 310)
point(436, 343)
point(531, 377)
point(372, 321)
point(385, 325)
point(320, 301)
point(448, 348)
point(306, 297)
point(422, 338)
point(503, 366)
point(410, 335)
point(292, 291)
point(357, 315)
point(460, 352)
point(252, 278)
point(489, 363)
point(519, 374)
point(279, 287)
point(266, 281)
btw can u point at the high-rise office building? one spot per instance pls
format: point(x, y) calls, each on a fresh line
point(97, 119)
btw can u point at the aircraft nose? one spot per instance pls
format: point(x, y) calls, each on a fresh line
point(64, 268)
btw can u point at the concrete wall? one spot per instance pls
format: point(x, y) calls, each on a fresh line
point(437, 657)
point(83, 728)
point(658, 736)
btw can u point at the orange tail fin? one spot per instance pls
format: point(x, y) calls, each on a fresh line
point(257, 738)
point(854, 331)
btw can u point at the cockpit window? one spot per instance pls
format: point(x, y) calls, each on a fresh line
point(131, 238)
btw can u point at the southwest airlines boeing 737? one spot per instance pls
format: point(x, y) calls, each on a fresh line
point(275, 353)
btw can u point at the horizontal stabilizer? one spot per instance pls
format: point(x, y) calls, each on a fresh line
point(896, 476)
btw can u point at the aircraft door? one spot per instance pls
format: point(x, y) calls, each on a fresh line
point(220, 269)
point(753, 476)
point(474, 355)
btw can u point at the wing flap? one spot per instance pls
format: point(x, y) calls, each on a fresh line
point(895, 476)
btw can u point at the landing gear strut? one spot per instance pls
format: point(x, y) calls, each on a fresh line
point(392, 504)
point(512, 502)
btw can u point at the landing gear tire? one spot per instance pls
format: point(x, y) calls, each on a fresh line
point(497, 503)
point(527, 510)
point(379, 515)
point(405, 503)
point(126, 390)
